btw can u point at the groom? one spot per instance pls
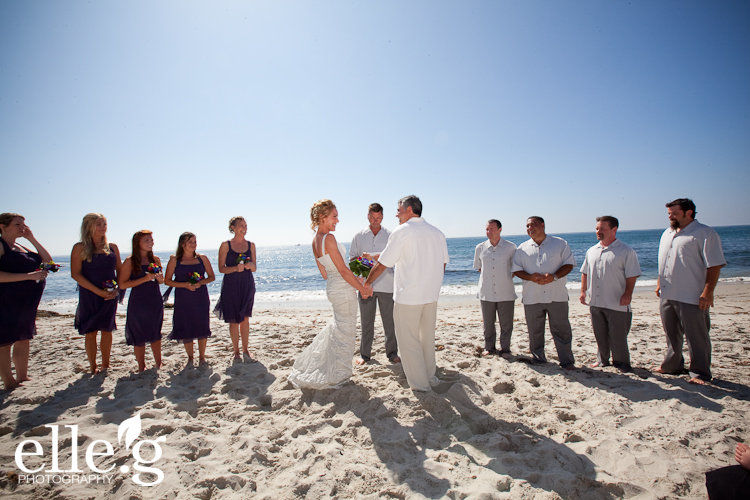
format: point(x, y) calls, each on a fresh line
point(419, 252)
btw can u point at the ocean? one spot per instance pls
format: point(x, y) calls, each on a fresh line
point(287, 275)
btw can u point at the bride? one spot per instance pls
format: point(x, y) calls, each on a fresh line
point(327, 361)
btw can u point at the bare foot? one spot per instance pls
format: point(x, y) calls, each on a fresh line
point(596, 364)
point(202, 361)
point(94, 369)
point(23, 379)
point(697, 381)
point(485, 352)
point(360, 361)
point(237, 355)
point(11, 386)
point(658, 369)
point(394, 359)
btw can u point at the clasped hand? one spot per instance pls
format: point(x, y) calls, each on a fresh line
point(367, 293)
point(542, 279)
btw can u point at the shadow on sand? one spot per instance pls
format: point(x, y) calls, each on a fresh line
point(450, 421)
point(75, 394)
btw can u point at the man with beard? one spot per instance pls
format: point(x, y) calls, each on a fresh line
point(690, 260)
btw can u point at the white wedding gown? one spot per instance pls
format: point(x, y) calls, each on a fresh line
point(327, 361)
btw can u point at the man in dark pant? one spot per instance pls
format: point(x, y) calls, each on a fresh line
point(368, 243)
point(608, 276)
point(493, 258)
point(543, 262)
point(690, 260)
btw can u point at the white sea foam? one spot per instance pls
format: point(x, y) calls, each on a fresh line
point(317, 298)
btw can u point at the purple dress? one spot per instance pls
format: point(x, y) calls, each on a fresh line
point(190, 320)
point(93, 312)
point(237, 292)
point(145, 312)
point(19, 300)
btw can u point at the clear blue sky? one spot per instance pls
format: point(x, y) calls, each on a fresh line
point(176, 115)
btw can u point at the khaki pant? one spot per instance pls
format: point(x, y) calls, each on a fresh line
point(415, 333)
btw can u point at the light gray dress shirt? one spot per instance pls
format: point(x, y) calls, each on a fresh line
point(548, 257)
point(606, 269)
point(684, 257)
point(496, 277)
point(367, 242)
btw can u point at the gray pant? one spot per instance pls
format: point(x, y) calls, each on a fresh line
point(559, 327)
point(611, 330)
point(679, 320)
point(504, 312)
point(367, 314)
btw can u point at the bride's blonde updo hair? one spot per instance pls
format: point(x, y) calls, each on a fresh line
point(319, 211)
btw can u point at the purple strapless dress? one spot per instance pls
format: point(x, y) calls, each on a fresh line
point(94, 313)
point(191, 309)
point(19, 300)
point(237, 292)
point(145, 312)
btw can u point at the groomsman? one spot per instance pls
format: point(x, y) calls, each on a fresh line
point(608, 276)
point(543, 262)
point(368, 243)
point(419, 252)
point(690, 260)
point(493, 259)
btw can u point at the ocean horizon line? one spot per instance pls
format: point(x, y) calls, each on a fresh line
point(281, 245)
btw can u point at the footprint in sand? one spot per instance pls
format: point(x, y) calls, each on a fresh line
point(504, 388)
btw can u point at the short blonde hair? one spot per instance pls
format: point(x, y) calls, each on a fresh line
point(319, 211)
point(235, 220)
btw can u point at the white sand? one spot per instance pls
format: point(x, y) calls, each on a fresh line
point(495, 428)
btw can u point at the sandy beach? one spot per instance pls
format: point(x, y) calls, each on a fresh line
point(494, 428)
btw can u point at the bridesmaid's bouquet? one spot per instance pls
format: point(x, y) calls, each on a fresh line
point(194, 278)
point(243, 258)
point(361, 266)
point(153, 268)
point(49, 266)
point(110, 285)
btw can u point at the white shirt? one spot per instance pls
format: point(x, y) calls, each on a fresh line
point(684, 257)
point(548, 257)
point(496, 277)
point(606, 269)
point(367, 242)
point(419, 252)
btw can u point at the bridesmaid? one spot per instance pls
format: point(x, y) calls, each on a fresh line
point(235, 306)
point(145, 306)
point(93, 262)
point(191, 304)
point(21, 287)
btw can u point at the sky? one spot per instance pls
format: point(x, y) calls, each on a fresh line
point(177, 115)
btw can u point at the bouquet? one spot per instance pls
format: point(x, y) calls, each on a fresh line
point(110, 285)
point(194, 278)
point(49, 266)
point(243, 259)
point(361, 266)
point(153, 268)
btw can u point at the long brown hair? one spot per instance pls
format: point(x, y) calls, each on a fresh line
point(89, 246)
point(136, 257)
point(181, 251)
